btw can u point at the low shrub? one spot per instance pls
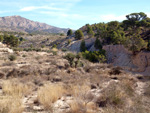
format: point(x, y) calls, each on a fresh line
point(95, 56)
point(12, 57)
point(74, 60)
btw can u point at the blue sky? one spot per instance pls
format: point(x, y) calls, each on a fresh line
point(73, 13)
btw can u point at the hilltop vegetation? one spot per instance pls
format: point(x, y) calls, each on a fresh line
point(133, 33)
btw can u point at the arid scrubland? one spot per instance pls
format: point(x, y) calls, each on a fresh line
point(40, 82)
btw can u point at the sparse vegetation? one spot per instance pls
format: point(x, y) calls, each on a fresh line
point(48, 94)
point(43, 78)
point(82, 46)
point(95, 56)
point(12, 57)
point(79, 35)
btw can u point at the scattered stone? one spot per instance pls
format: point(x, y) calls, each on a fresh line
point(93, 86)
point(57, 79)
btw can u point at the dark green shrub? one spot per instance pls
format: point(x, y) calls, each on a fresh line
point(95, 56)
point(98, 44)
point(11, 40)
point(54, 46)
point(64, 49)
point(82, 46)
point(12, 57)
point(42, 46)
point(69, 41)
point(69, 33)
point(24, 55)
point(17, 49)
point(70, 57)
point(90, 30)
point(79, 35)
point(1, 38)
point(54, 52)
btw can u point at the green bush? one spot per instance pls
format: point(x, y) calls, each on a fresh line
point(95, 56)
point(64, 49)
point(82, 46)
point(69, 41)
point(70, 57)
point(11, 40)
point(24, 55)
point(74, 60)
point(17, 49)
point(42, 46)
point(90, 30)
point(12, 57)
point(98, 44)
point(69, 33)
point(1, 38)
point(54, 46)
point(54, 52)
point(79, 35)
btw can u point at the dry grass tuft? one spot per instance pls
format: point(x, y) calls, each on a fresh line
point(11, 100)
point(79, 91)
point(13, 88)
point(10, 104)
point(50, 93)
point(78, 107)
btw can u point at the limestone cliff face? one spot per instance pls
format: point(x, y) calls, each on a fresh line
point(75, 45)
point(120, 56)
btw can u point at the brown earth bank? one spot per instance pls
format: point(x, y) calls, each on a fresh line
point(118, 55)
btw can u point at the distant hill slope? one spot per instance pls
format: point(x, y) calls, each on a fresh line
point(20, 24)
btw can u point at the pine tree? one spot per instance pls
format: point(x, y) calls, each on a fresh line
point(82, 46)
point(79, 35)
point(98, 44)
point(69, 33)
point(90, 30)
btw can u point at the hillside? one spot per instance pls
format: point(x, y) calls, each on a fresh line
point(30, 82)
point(20, 24)
point(126, 43)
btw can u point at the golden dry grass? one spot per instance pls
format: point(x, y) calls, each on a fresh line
point(11, 99)
point(79, 91)
point(50, 93)
point(14, 88)
point(78, 107)
point(10, 104)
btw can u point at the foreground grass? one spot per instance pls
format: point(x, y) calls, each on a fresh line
point(50, 93)
point(11, 100)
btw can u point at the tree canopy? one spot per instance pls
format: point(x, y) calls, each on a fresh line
point(79, 35)
point(133, 32)
point(70, 32)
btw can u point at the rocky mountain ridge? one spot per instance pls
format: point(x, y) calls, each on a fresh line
point(20, 24)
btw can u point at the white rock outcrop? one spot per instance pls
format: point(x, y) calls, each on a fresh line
point(4, 48)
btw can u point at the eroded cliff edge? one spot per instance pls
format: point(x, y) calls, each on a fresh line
point(118, 55)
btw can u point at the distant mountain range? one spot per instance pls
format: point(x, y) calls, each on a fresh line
point(21, 24)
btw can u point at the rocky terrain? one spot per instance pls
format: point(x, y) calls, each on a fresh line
point(47, 74)
point(21, 24)
point(119, 56)
point(46, 83)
